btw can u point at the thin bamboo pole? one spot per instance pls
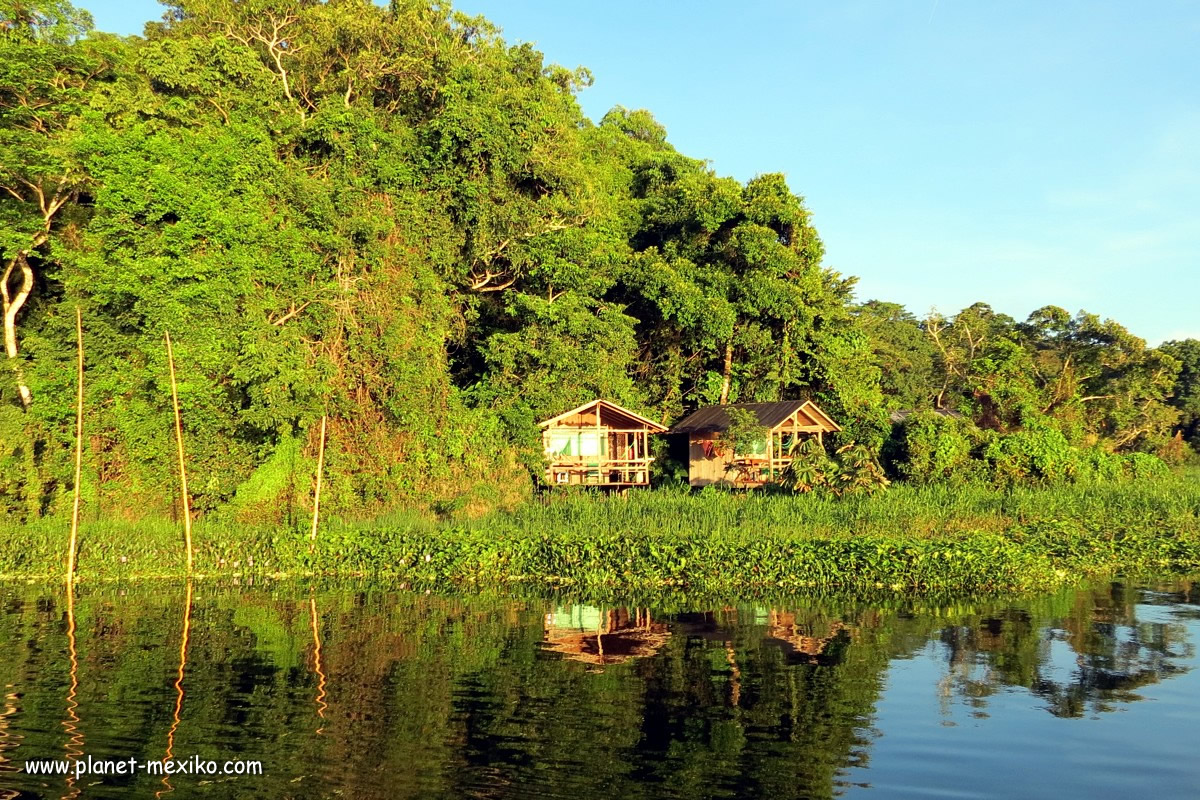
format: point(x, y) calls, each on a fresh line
point(187, 509)
point(78, 447)
point(320, 469)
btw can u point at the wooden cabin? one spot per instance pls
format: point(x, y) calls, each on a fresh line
point(807, 643)
point(603, 637)
point(711, 460)
point(599, 444)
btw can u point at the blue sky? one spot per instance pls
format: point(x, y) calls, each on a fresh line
point(1019, 153)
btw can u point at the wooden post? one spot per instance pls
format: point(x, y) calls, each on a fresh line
point(78, 447)
point(187, 508)
point(727, 375)
point(770, 455)
point(601, 476)
point(644, 457)
point(317, 496)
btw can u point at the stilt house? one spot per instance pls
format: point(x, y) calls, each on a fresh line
point(603, 637)
point(711, 458)
point(599, 444)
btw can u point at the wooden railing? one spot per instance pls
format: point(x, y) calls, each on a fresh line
point(598, 471)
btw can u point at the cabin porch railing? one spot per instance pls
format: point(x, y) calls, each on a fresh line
point(600, 471)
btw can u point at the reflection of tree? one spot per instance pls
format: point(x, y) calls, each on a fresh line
point(1113, 652)
point(432, 697)
point(806, 689)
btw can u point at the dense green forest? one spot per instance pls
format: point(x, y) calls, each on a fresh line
point(393, 217)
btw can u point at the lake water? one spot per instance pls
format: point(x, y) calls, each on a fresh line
point(363, 692)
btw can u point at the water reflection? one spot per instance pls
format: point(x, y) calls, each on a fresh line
point(598, 637)
point(368, 693)
point(75, 740)
point(316, 633)
point(184, 636)
point(1091, 657)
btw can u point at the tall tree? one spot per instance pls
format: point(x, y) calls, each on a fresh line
point(47, 69)
point(1185, 397)
point(902, 350)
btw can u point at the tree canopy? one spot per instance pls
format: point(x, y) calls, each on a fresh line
point(393, 217)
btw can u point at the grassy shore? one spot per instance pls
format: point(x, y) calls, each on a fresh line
point(934, 538)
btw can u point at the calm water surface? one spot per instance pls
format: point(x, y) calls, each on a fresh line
point(359, 692)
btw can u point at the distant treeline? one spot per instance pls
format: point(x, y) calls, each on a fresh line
point(392, 217)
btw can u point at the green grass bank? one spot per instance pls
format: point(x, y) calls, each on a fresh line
point(932, 538)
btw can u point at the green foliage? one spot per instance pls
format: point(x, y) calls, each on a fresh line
point(278, 488)
point(942, 538)
point(20, 495)
point(902, 350)
point(1089, 378)
point(853, 469)
point(393, 219)
point(1039, 455)
point(935, 447)
point(745, 433)
point(1186, 395)
point(930, 447)
point(858, 471)
point(384, 215)
point(811, 468)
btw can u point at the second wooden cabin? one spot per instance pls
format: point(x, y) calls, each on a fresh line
point(711, 458)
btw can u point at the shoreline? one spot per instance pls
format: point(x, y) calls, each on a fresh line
point(909, 540)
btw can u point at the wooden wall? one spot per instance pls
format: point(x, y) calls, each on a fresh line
point(702, 469)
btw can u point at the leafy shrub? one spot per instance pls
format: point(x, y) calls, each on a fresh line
point(744, 434)
point(1142, 466)
point(1039, 454)
point(852, 470)
point(933, 447)
point(930, 448)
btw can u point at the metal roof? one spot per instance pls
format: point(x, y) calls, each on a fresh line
point(715, 418)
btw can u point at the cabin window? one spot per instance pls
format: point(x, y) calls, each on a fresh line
point(589, 443)
point(576, 443)
point(758, 450)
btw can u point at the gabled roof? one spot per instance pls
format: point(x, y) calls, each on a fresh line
point(770, 415)
point(817, 415)
point(613, 407)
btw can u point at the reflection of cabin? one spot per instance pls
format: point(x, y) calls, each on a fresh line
point(601, 637)
point(802, 644)
point(712, 460)
point(599, 444)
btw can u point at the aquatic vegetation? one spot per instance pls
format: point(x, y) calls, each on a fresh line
point(926, 538)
